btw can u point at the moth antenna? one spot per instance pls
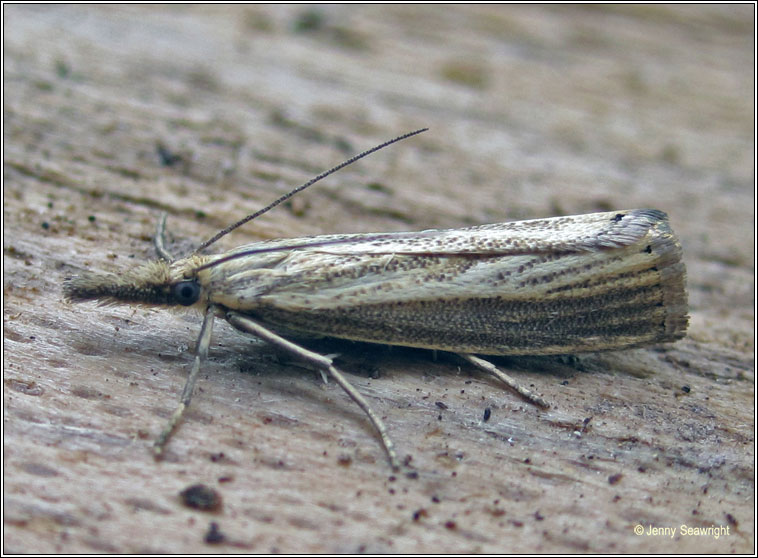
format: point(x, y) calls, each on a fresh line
point(312, 181)
point(287, 247)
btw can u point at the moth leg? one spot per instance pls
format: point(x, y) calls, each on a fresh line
point(201, 353)
point(506, 379)
point(322, 363)
point(160, 239)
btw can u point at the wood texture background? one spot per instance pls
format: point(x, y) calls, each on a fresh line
point(534, 111)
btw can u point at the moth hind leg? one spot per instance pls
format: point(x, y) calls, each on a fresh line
point(506, 379)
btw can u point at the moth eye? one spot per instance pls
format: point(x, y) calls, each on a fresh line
point(186, 293)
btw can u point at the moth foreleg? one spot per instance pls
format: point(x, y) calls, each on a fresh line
point(244, 323)
point(505, 378)
point(160, 239)
point(201, 353)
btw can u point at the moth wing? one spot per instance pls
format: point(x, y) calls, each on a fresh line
point(575, 233)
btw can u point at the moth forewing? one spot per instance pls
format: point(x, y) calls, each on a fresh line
point(550, 286)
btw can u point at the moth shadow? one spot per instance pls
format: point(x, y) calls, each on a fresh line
point(373, 360)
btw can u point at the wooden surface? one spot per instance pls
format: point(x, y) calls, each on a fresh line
point(534, 111)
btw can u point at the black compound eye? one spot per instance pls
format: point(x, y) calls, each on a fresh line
point(186, 293)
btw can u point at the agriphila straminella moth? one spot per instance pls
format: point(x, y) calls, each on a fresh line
point(581, 283)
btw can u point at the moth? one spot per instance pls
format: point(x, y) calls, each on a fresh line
point(563, 285)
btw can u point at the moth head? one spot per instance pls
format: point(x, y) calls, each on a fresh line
point(155, 283)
